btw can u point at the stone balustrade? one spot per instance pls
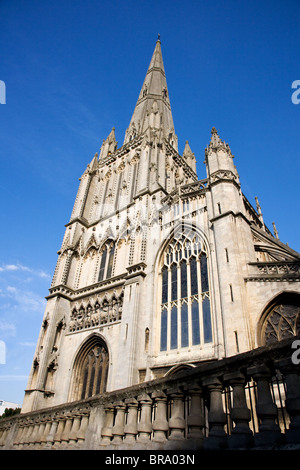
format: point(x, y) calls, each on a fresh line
point(251, 400)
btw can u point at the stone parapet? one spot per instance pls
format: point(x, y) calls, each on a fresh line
point(251, 400)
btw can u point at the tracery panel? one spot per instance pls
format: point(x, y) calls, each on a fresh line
point(281, 320)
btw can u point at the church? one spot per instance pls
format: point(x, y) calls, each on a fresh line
point(158, 271)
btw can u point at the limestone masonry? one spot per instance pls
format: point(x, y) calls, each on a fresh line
point(159, 271)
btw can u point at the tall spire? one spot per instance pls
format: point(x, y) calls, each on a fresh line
point(153, 109)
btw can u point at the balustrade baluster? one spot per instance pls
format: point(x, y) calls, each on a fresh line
point(195, 419)
point(22, 439)
point(85, 416)
point(18, 437)
point(176, 421)
point(118, 428)
point(145, 425)
point(269, 431)
point(67, 429)
point(74, 430)
point(160, 424)
point(48, 423)
point(292, 401)
point(59, 431)
point(28, 434)
point(108, 424)
point(241, 434)
point(53, 429)
point(4, 434)
point(130, 428)
point(39, 433)
point(217, 437)
point(34, 433)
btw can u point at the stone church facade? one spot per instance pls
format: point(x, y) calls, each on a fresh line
point(159, 271)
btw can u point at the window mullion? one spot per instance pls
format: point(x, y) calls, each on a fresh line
point(178, 306)
point(107, 262)
point(200, 300)
point(169, 310)
point(188, 269)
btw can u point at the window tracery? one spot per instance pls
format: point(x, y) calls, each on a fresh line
point(282, 321)
point(185, 298)
point(90, 369)
point(94, 372)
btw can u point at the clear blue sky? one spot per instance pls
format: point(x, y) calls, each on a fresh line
point(73, 69)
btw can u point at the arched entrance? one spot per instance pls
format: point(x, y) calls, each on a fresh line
point(90, 369)
point(280, 320)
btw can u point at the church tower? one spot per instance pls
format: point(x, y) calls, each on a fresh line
point(157, 270)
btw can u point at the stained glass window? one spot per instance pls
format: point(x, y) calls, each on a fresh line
point(183, 277)
point(163, 330)
point(165, 285)
point(174, 282)
point(93, 374)
point(184, 326)
point(174, 327)
point(206, 320)
point(185, 304)
point(195, 323)
point(102, 265)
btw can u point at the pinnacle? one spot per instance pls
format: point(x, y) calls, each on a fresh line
point(187, 149)
point(215, 138)
point(153, 98)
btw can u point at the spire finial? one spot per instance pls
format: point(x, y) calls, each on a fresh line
point(158, 37)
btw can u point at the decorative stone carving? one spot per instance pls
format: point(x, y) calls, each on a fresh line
point(100, 313)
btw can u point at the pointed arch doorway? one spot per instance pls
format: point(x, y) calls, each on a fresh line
point(90, 369)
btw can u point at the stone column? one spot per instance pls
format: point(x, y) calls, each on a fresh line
point(195, 419)
point(177, 421)
point(118, 428)
point(160, 424)
point(241, 435)
point(217, 437)
point(130, 428)
point(292, 402)
point(269, 431)
point(145, 425)
point(106, 432)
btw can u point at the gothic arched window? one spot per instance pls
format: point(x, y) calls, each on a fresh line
point(91, 369)
point(281, 320)
point(185, 299)
point(107, 259)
